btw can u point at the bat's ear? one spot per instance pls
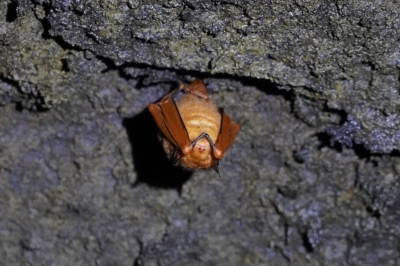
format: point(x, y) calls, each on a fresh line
point(197, 87)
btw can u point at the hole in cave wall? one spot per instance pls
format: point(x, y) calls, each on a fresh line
point(11, 14)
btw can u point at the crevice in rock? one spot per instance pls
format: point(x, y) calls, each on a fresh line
point(9, 81)
point(326, 141)
point(287, 192)
point(45, 23)
point(138, 260)
point(11, 15)
point(361, 151)
point(341, 113)
point(23, 100)
point(306, 242)
point(375, 213)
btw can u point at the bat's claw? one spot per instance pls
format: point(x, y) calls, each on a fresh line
point(216, 167)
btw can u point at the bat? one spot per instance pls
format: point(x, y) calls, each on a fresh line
point(195, 133)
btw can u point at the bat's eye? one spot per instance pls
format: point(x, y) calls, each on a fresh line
point(201, 147)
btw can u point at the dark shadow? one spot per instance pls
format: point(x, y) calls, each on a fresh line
point(267, 87)
point(11, 15)
point(25, 100)
point(306, 242)
point(151, 163)
point(341, 113)
point(326, 141)
point(45, 23)
point(362, 152)
point(287, 192)
point(375, 213)
point(179, 76)
point(395, 153)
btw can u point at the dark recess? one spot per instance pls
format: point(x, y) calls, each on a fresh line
point(374, 212)
point(11, 15)
point(326, 141)
point(65, 67)
point(306, 242)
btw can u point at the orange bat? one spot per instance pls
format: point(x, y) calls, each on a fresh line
point(195, 133)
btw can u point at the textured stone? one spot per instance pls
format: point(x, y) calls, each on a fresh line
point(314, 85)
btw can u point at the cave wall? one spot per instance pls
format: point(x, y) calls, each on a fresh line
point(312, 178)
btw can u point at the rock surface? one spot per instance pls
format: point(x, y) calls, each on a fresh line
point(311, 180)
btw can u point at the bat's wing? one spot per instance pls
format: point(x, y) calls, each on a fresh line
point(227, 134)
point(169, 121)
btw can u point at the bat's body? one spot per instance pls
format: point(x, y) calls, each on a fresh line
point(195, 132)
point(199, 116)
